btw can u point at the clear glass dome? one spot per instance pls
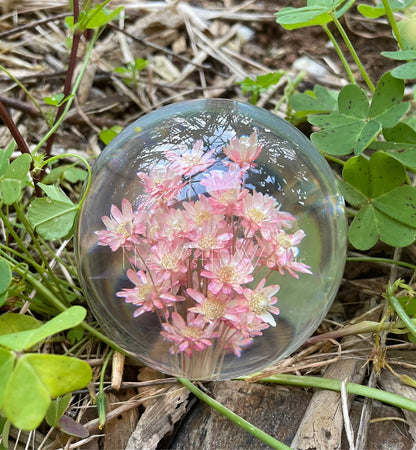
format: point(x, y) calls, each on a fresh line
point(212, 240)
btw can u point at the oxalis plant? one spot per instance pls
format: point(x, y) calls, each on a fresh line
point(368, 129)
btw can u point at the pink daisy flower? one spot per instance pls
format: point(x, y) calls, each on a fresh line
point(214, 307)
point(236, 343)
point(170, 225)
point(146, 294)
point(286, 262)
point(120, 227)
point(200, 211)
point(188, 162)
point(193, 335)
point(162, 185)
point(243, 151)
point(256, 211)
point(258, 303)
point(224, 189)
point(228, 272)
point(169, 259)
point(208, 237)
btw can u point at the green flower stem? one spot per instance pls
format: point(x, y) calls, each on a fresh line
point(334, 159)
point(352, 388)
point(274, 443)
point(340, 54)
point(393, 23)
point(366, 326)
point(6, 251)
point(25, 252)
point(57, 303)
point(354, 54)
point(26, 91)
point(28, 227)
point(381, 260)
point(395, 303)
point(71, 97)
point(84, 161)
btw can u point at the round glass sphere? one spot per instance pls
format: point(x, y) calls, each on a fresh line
point(212, 240)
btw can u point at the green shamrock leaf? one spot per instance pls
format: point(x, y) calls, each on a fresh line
point(316, 12)
point(388, 205)
point(374, 12)
point(357, 123)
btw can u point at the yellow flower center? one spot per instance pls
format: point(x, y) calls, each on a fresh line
point(169, 262)
point(284, 241)
point(202, 216)
point(258, 303)
point(227, 197)
point(256, 215)
point(213, 309)
point(207, 241)
point(192, 332)
point(228, 274)
point(143, 291)
point(124, 229)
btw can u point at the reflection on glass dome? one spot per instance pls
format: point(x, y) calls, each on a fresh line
point(212, 240)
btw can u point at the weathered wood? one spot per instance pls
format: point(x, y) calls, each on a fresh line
point(322, 425)
point(118, 431)
point(159, 418)
point(277, 410)
point(392, 383)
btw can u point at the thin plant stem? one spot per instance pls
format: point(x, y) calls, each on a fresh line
point(71, 97)
point(57, 303)
point(274, 443)
point(397, 306)
point(335, 385)
point(26, 91)
point(334, 159)
point(340, 54)
point(22, 217)
point(381, 260)
point(356, 58)
point(83, 160)
point(393, 23)
point(25, 252)
point(70, 73)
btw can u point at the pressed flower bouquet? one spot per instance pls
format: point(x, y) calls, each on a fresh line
point(201, 248)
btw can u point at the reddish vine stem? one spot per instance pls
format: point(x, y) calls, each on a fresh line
point(69, 76)
point(20, 141)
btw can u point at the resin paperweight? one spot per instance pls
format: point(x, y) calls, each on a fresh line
point(212, 240)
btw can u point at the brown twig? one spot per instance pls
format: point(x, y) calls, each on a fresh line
point(70, 73)
point(74, 119)
point(31, 25)
point(21, 143)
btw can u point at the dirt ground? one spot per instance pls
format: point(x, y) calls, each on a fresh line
point(202, 49)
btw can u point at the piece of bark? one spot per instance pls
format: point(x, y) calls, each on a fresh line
point(323, 423)
point(389, 434)
point(118, 431)
point(392, 383)
point(277, 410)
point(159, 418)
point(117, 370)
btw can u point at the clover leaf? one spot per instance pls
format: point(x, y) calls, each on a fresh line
point(388, 205)
point(53, 216)
point(320, 100)
point(27, 337)
point(13, 176)
point(404, 71)
point(374, 12)
point(29, 381)
point(35, 379)
point(357, 122)
point(316, 12)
